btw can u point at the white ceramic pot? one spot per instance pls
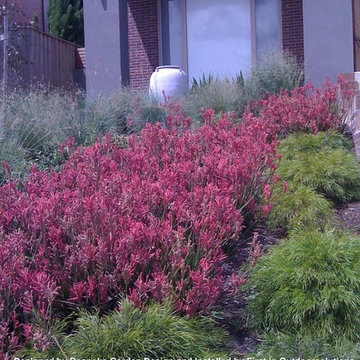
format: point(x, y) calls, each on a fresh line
point(169, 80)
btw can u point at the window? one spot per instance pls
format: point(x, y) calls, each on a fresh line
point(218, 37)
point(221, 37)
point(268, 30)
point(172, 17)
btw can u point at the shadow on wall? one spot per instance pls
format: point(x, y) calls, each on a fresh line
point(104, 4)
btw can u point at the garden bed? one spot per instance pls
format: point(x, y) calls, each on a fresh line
point(183, 215)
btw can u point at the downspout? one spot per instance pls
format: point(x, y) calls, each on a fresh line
point(44, 16)
point(124, 42)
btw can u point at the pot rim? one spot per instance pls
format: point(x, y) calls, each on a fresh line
point(168, 67)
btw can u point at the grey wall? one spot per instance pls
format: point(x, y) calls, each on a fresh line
point(328, 39)
point(102, 44)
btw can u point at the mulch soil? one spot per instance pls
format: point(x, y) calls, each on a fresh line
point(230, 309)
point(348, 216)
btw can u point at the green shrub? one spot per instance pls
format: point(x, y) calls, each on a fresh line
point(322, 162)
point(309, 283)
point(130, 332)
point(299, 206)
point(296, 144)
point(279, 346)
point(334, 173)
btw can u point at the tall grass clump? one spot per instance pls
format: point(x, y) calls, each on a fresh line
point(40, 119)
point(37, 121)
point(124, 112)
point(14, 156)
point(275, 72)
point(308, 284)
point(132, 333)
point(218, 94)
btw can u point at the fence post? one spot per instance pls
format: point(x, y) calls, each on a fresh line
point(5, 38)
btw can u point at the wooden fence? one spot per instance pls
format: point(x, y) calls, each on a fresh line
point(41, 58)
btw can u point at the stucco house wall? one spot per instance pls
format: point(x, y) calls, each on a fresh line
point(102, 39)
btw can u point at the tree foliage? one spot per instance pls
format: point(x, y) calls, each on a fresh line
point(66, 20)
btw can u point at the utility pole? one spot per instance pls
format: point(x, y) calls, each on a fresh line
point(5, 38)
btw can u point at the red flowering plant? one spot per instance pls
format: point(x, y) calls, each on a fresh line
point(148, 221)
point(302, 109)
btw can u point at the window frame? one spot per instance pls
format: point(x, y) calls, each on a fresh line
point(183, 35)
point(254, 54)
point(184, 32)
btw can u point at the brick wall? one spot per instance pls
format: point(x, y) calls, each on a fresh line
point(292, 28)
point(24, 11)
point(143, 41)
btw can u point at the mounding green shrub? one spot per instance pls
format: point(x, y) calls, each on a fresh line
point(309, 283)
point(300, 346)
point(322, 162)
point(332, 172)
point(298, 143)
point(133, 333)
point(300, 205)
